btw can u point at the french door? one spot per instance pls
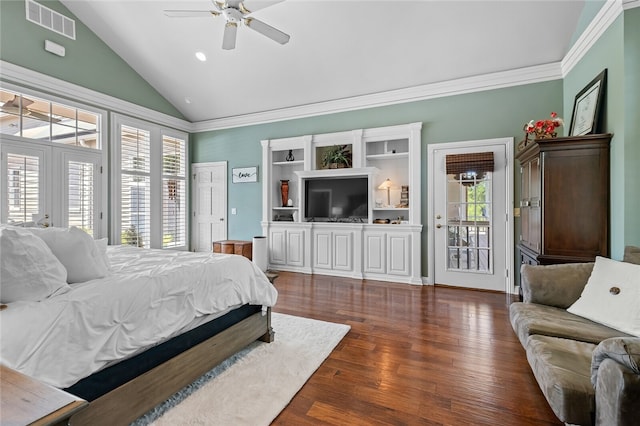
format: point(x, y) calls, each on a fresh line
point(56, 186)
point(470, 234)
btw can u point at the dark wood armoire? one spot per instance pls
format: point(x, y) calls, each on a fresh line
point(564, 203)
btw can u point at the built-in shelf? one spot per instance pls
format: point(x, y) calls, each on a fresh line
point(389, 156)
point(391, 208)
point(288, 163)
point(286, 208)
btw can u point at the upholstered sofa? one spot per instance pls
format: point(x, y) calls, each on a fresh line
point(588, 372)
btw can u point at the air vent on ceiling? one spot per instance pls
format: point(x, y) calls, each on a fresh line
point(50, 19)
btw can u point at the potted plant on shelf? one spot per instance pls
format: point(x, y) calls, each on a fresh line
point(337, 157)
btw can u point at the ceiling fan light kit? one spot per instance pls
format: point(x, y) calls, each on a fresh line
point(234, 12)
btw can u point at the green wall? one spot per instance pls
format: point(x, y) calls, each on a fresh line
point(482, 115)
point(617, 51)
point(88, 61)
point(632, 126)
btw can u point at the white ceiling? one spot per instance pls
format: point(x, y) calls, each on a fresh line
point(338, 49)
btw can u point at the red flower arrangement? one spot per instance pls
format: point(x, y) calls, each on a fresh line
point(544, 129)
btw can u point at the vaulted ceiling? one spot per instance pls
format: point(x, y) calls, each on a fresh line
point(338, 49)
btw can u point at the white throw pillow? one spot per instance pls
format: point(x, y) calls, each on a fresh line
point(102, 244)
point(28, 269)
point(76, 250)
point(612, 296)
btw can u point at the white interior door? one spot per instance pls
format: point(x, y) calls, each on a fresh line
point(471, 239)
point(209, 204)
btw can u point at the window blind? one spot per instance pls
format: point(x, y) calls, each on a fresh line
point(23, 180)
point(174, 219)
point(135, 160)
point(476, 162)
point(81, 195)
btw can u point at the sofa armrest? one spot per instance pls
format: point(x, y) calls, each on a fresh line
point(554, 285)
point(615, 374)
point(623, 350)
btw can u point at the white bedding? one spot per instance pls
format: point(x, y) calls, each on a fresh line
point(149, 296)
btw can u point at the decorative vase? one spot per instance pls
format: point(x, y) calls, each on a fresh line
point(290, 156)
point(284, 192)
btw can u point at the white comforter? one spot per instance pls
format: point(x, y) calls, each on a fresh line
point(149, 296)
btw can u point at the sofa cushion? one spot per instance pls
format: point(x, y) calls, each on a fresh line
point(632, 254)
point(554, 285)
point(530, 318)
point(562, 368)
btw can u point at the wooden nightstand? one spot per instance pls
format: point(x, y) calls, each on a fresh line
point(26, 401)
point(243, 248)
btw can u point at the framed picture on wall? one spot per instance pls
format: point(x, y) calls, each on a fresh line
point(587, 107)
point(244, 174)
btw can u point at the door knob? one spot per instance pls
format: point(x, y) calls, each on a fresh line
point(438, 217)
point(438, 226)
point(222, 219)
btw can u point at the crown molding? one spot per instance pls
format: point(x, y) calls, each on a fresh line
point(25, 77)
point(600, 23)
point(517, 77)
point(522, 76)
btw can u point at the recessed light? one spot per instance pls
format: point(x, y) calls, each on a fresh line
point(201, 56)
point(187, 100)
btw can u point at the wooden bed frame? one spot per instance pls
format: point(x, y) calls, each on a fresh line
point(126, 403)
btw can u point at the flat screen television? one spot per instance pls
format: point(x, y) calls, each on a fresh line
point(343, 199)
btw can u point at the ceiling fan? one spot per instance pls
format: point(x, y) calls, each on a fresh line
point(234, 13)
point(12, 106)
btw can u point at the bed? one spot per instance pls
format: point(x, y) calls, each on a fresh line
point(126, 341)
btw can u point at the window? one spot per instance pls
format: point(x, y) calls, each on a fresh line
point(150, 174)
point(40, 119)
point(51, 161)
point(80, 195)
point(23, 183)
point(173, 192)
point(135, 207)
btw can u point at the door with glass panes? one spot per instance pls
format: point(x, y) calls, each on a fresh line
point(470, 216)
point(48, 185)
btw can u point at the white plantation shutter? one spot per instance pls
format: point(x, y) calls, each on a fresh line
point(135, 189)
point(174, 219)
point(80, 195)
point(23, 187)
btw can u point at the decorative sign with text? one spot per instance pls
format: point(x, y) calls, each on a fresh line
point(244, 174)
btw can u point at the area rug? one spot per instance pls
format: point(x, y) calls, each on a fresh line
point(253, 386)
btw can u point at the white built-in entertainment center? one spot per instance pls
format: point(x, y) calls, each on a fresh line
point(338, 221)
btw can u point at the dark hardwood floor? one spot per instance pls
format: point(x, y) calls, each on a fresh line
point(415, 355)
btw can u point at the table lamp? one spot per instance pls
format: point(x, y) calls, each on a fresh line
point(387, 185)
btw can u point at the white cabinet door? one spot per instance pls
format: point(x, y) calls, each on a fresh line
point(398, 254)
point(277, 247)
point(374, 252)
point(322, 249)
point(295, 247)
point(342, 250)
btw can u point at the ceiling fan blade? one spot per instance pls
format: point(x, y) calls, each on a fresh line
point(190, 13)
point(253, 6)
point(234, 3)
point(229, 38)
point(267, 30)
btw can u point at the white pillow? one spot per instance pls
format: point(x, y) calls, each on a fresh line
point(102, 244)
point(28, 269)
point(612, 296)
point(76, 250)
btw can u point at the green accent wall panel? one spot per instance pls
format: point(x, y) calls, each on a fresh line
point(88, 61)
point(607, 52)
point(481, 115)
point(632, 126)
